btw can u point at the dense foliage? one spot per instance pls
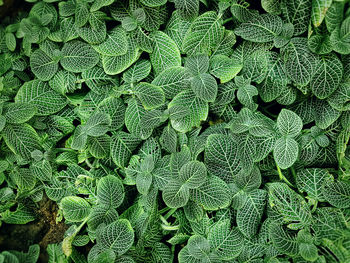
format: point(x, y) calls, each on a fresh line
point(188, 131)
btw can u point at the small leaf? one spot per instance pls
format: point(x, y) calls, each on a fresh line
point(75, 209)
point(151, 96)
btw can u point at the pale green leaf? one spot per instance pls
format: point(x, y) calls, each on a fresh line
point(151, 96)
point(285, 152)
point(75, 209)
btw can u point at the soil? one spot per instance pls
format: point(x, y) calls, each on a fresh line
point(42, 231)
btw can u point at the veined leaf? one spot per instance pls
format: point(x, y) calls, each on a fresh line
point(319, 10)
point(75, 209)
point(151, 96)
point(116, 43)
point(110, 191)
point(224, 68)
point(285, 152)
point(19, 112)
point(289, 123)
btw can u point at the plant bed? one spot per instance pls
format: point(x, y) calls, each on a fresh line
point(188, 131)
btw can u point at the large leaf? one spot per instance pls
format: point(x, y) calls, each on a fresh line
point(165, 52)
point(285, 152)
point(75, 209)
point(40, 95)
point(319, 10)
point(298, 13)
point(262, 28)
point(224, 68)
point(151, 96)
point(327, 77)
point(205, 33)
point(337, 194)
point(19, 112)
point(110, 191)
point(116, 43)
point(176, 194)
point(289, 123)
point(193, 174)
point(78, 56)
point(205, 87)
point(43, 66)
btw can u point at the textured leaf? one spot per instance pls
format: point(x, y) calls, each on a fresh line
point(319, 10)
point(165, 52)
point(97, 124)
point(43, 66)
point(205, 33)
point(75, 209)
point(118, 236)
point(110, 191)
point(285, 152)
point(188, 8)
point(327, 76)
point(19, 112)
point(140, 70)
point(78, 56)
point(205, 87)
point(22, 139)
point(176, 194)
point(116, 43)
point(193, 174)
point(213, 194)
point(263, 28)
point(298, 13)
point(289, 123)
point(224, 68)
point(151, 96)
point(40, 95)
point(226, 242)
point(337, 194)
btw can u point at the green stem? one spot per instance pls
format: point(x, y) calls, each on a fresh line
point(88, 163)
point(64, 150)
point(170, 228)
point(166, 209)
point(67, 241)
point(227, 20)
point(170, 213)
point(314, 207)
point(282, 177)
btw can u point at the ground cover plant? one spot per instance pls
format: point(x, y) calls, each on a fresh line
point(189, 131)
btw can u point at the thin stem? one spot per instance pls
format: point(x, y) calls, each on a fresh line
point(170, 213)
point(282, 177)
point(170, 228)
point(314, 207)
point(89, 164)
point(227, 20)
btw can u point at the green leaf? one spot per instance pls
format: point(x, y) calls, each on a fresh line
point(140, 70)
point(324, 115)
point(188, 9)
point(116, 43)
point(340, 37)
point(42, 65)
point(173, 81)
point(299, 61)
point(309, 252)
point(19, 112)
point(118, 236)
point(22, 139)
point(41, 96)
point(312, 180)
point(226, 242)
point(250, 214)
point(221, 156)
point(198, 246)
point(114, 65)
point(79, 138)
point(78, 56)
point(99, 147)
point(122, 146)
point(298, 13)
point(110, 191)
point(205, 87)
point(327, 77)
point(133, 116)
point(289, 123)
point(319, 10)
point(193, 174)
point(153, 3)
point(151, 96)
point(97, 125)
point(213, 194)
point(165, 52)
point(197, 111)
point(283, 240)
point(75, 209)
point(224, 68)
point(246, 94)
point(285, 152)
point(337, 193)
point(205, 33)
point(262, 28)
point(176, 194)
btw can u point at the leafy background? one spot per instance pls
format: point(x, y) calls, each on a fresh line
point(176, 131)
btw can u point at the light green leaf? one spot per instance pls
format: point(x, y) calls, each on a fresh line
point(176, 194)
point(75, 209)
point(187, 8)
point(97, 125)
point(19, 112)
point(327, 77)
point(262, 28)
point(151, 96)
point(337, 193)
point(198, 246)
point(165, 52)
point(205, 87)
point(309, 252)
point(213, 194)
point(289, 123)
point(285, 152)
point(193, 174)
point(110, 191)
point(79, 138)
point(271, 6)
point(140, 70)
point(226, 242)
point(197, 111)
point(22, 139)
point(319, 10)
point(173, 81)
point(116, 43)
point(114, 65)
point(249, 215)
point(99, 147)
point(246, 94)
point(40, 95)
point(311, 181)
point(133, 116)
point(205, 33)
point(122, 146)
point(78, 56)
point(153, 3)
point(283, 240)
point(118, 236)
point(324, 115)
point(224, 68)
point(42, 65)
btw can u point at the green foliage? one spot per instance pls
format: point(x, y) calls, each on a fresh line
point(189, 131)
